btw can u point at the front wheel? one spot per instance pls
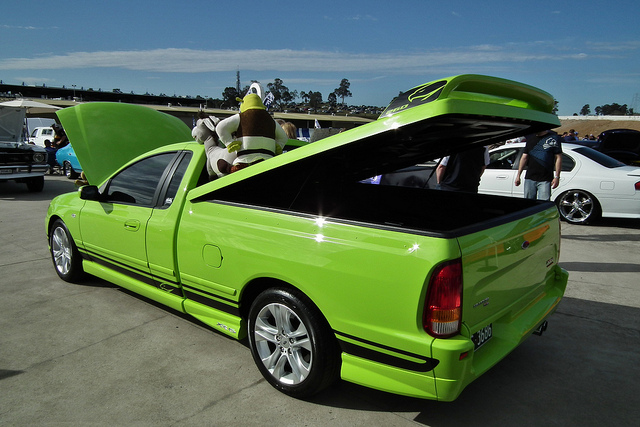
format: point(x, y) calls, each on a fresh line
point(292, 344)
point(68, 170)
point(578, 207)
point(64, 253)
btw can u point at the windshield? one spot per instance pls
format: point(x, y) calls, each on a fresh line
point(598, 157)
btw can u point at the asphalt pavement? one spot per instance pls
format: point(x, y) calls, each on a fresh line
point(94, 354)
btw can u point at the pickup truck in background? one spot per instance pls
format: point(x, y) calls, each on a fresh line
point(413, 291)
point(40, 134)
point(19, 161)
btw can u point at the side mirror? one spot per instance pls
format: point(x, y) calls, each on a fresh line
point(90, 192)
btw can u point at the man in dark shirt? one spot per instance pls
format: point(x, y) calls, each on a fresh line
point(543, 156)
point(462, 171)
point(51, 155)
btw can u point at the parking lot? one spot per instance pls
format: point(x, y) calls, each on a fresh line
point(94, 354)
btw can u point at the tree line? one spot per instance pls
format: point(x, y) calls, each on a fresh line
point(607, 110)
point(283, 96)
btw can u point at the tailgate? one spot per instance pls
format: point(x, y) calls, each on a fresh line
point(509, 276)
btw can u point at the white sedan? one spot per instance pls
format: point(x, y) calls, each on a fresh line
point(592, 184)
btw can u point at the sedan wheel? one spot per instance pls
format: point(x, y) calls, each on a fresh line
point(64, 253)
point(578, 207)
point(68, 170)
point(291, 343)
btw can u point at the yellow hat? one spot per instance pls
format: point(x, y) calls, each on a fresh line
point(251, 101)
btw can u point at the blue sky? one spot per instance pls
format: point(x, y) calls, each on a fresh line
point(582, 52)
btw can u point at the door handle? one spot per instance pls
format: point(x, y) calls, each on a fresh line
point(132, 225)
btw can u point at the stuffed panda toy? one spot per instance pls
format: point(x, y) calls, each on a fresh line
point(217, 154)
point(252, 133)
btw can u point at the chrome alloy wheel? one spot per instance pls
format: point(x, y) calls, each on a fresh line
point(577, 206)
point(283, 344)
point(61, 250)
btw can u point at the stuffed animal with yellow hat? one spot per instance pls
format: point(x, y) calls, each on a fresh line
point(205, 133)
point(253, 134)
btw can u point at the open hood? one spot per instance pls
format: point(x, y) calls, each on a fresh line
point(422, 124)
point(105, 136)
point(11, 124)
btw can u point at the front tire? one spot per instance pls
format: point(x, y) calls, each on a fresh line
point(64, 253)
point(68, 170)
point(292, 344)
point(578, 207)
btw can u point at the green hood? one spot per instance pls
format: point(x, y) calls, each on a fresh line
point(105, 136)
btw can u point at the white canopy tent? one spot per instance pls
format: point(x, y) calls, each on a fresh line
point(30, 107)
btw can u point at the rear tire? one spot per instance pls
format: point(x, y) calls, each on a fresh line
point(578, 207)
point(64, 253)
point(292, 343)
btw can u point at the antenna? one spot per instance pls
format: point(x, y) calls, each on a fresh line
point(635, 102)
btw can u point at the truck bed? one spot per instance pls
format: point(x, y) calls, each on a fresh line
point(418, 210)
point(424, 210)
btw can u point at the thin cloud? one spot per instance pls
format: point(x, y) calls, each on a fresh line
point(611, 47)
point(175, 60)
point(23, 27)
point(363, 18)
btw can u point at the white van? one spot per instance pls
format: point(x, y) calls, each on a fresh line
point(40, 134)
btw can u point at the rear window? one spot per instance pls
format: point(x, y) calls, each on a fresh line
point(598, 157)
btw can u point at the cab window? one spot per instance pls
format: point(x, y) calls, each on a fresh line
point(137, 184)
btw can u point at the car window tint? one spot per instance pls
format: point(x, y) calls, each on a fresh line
point(176, 179)
point(567, 163)
point(503, 159)
point(137, 184)
point(598, 157)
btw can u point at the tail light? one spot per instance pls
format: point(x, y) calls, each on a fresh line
point(443, 305)
point(637, 186)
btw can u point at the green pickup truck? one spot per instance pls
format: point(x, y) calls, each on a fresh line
point(413, 291)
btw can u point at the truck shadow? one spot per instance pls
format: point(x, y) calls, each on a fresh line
point(577, 373)
point(53, 186)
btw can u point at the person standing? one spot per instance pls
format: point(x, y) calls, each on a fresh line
point(542, 156)
point(51, 155)
point(462, 171)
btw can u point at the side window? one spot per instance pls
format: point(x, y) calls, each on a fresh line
point(176, 179)
point(503, 159)
point(567, 163)
point(138, 183)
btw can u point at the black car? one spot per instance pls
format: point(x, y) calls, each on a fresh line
point(621, 144)
point(19, 161)
point(23, 163)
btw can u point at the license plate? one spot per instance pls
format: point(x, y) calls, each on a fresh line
point(482, 336)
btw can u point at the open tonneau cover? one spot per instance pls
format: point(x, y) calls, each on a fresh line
point(426, 122)
point(422, 124)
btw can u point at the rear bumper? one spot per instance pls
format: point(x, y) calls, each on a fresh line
point(457, 363)
point(460, 364)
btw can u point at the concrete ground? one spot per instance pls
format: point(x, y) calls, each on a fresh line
point(94, 354)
